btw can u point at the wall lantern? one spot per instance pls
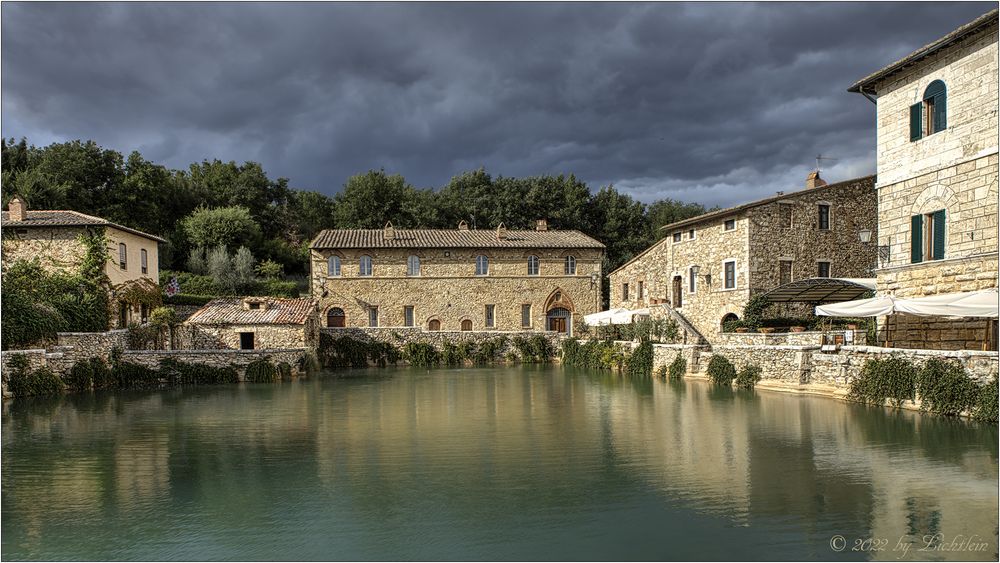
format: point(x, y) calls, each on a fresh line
point(865, 235)
point(593, 279)
point(695, 269)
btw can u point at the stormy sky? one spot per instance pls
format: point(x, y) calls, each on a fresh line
point(717, 103)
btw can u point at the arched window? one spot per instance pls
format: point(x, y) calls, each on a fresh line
point(413, 266)
point(931, 114)
point(482, 265)
point(532, 265)
point(335, 318)
point(726, 319)
point(434, 325)
point(570, 267)
point(466, 325)
point(333, 266)
point(365, 266)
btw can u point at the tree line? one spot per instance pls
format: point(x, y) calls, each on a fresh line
point(215, 203)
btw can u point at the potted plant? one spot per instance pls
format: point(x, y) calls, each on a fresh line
point(743, 330)
point(852, 326)
point(797, 329)
point(766, 329)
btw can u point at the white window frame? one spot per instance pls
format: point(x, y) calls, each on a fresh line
point(123, 256)
point(533, 265)
point(677, 237)
point(692, 281)
point(361, 266)
point(727, 229)
point(143, 261)
point(526, 307)
point(373, 319)
point(569, 265)
point(829, 268)
point(736, 275)
point(333, 266)
point(482, 260)
point(692, 235)
point(412, 260)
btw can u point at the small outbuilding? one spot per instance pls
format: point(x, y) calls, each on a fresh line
point(252, 323)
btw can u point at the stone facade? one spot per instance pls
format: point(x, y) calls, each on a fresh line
point(448, 295)
point(954, 170)
point(266, 337)
point(754, 237)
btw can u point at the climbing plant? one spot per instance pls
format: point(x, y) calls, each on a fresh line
point(640, 361)
point(721, 371)
point(678, 367)
point(881, 379)
point(748, 377)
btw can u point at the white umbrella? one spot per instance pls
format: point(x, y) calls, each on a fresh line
point(625, 316)
point(602, 318)
point(872, 307)
point(965, 304)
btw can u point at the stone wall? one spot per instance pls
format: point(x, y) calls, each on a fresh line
point(238, 359)
point(664, 355)
point(839, 368)
point(222, 337)
point(447, 289)
point(88, 344)
point(807, 338)
point(400, 337)
point(57, 248)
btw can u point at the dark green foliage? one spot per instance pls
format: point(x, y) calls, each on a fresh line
point(535, 348)
point(383, 353)
point(182, 299)
point(721, 371)
point(89, 374)
point(748, 377)
point(661, 371)
point(889, 378)
point(144, 337)
point(129, 375)
point(594, 354)
point(678, 367)
point(24, 381)
point(346, 352)
point(489, 350)
point(640, 361)
point(262, 371)
point(175, 372)
point(945, 388)
point(985, 407)
point(453, 355)
point(284, 370)
point(753, 311)
point(421, 354)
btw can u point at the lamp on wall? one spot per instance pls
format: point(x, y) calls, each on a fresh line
point(695, 269)
point(865, 235)
point(593, 279)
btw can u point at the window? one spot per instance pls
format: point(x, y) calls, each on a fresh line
point(408, 315)
point(373, 316)
point(365, 266)
point(677, 237)
point(785, 215)
point(143, 266)
point(624, 292)
point(642, 291)
point(526, 315)
point(692, 281)
point(570, 267)
point(930, 115)
point(490, 320)
point(729, 225)
point(824, 217)
point(482, 265)
point(691, 234)
point(730, 274)
point(333, 266)
point(335, 318)
point(122, 256)
point(144, 313)
point(254, 305)
point(466, 325)
point(927, 236)
point(823, 269)
point(532, 265)
point(434, 325)
point(413, 266)
point(784, 271)
point(246, 341)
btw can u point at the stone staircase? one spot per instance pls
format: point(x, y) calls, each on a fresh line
point(690, 334)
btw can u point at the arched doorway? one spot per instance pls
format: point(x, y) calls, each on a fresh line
point(466, 325)
point(434, 325)
point(559, 320)
point(728, 317)
point(335, 318)
point(678, 298)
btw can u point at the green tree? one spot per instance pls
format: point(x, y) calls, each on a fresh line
point(223, 226)
point(667, 211)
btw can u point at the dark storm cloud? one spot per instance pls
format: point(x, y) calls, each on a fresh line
point(710, 102)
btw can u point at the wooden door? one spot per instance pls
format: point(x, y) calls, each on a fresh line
point(557, 324)
point(678, 292)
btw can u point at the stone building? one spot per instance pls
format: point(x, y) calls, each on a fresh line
point(461, 279)
point(251, 323)
point(54, 238)
point(936, 117)
point(706, 268)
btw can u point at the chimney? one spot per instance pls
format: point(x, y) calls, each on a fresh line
point(463, 226)
point(541, 225)
point(389, 231)
point(501, 232)
point(814, 181)
point(18, 209)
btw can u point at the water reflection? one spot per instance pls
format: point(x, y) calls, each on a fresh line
point(534, 462)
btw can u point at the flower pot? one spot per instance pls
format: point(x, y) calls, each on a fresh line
point(852, 326)
point(797, 329)
point(742, 330)
point(766, 330)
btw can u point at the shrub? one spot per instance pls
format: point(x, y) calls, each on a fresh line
point(640, 361)
point(748, 377)
point(985, 406)
point(753, 311)
point(678, 367)
point(346, 352)
point(451, 355)
point(285, 370)
point(129, 375)
point(89, 374)
point(144, 337)
point(661, 371)
point(489, 350)
point(421, 354)
point(945, 388)
point(533, 349)
point(182, 373)
point(25, 382)
point(262, 371)
point(880, 379)
point(721, 371)
point(594, 354)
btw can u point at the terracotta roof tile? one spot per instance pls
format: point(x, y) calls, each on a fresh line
point(230, 310)
point(451, 238)
point(61, 218)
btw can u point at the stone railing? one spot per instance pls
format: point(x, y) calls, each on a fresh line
point(807, 338)
point(238, 359)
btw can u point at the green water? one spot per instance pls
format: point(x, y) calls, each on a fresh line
point(508, 463)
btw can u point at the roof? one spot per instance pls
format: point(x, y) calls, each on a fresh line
point(277, 311)
point(986, 20)
point(65, 218)
point(451, 238)
point(713, 215)
point(821, 290)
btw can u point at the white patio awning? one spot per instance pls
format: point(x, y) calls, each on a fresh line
point(601, 319)
point(626, 316)
point(966, 304)
point(872, 307)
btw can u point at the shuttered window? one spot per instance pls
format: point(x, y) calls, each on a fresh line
point(490, 319)
point(916, 239)
point(935, 237)
point(916, 126)
point(408, 315)
point(526, 315)
point(931, 114)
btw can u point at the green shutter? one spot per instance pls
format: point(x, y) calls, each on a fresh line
point(940, 112)
point(939, 235)
point(916, 238)
point(916, 127)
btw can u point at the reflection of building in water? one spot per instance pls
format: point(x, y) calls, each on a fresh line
point(142, 470)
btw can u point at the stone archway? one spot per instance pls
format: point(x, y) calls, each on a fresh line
point(728, 317)
point(559, 310)
point(335, 318)
point(466, 325)
point(434, 325)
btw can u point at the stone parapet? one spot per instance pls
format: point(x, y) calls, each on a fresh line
point(238, 359)
point(807, 338)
